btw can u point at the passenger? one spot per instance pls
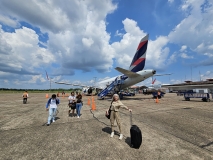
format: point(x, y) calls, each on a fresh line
point(52, 105)
point(79, 104)
point(25, 96)
point(115, 106)
point(159, 95)
point(63, 93)
point(71, 104)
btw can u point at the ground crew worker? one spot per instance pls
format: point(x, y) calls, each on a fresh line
point(25, 96)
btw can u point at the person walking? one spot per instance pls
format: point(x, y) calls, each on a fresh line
point(72, 103)
point(116, 104)
point(25, 96)
point(51, 106)
point(79, 104)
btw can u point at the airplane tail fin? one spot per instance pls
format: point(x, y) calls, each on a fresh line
point(138, 62)
point(153, 81)
point(47, 76)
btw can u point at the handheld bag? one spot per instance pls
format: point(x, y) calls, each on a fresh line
point(135, 135)
point(72, 105)
point(109, 112)
point(108, 115)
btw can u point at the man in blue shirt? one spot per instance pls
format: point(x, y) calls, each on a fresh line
point(51, 106)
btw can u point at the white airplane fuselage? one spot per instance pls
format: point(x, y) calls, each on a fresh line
point(144, 74)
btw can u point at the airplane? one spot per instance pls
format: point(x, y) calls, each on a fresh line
point(132, 76)
point(152, 88)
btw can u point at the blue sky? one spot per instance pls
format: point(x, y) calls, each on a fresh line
point(76, 40)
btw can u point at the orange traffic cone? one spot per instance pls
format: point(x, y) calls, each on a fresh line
point(157, 100)
point(47, 96)
point(88, 102)
point(93, 106)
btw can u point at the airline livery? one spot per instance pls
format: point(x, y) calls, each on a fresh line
point(132, 76)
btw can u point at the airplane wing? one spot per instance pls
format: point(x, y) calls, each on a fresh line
point(70, 84)
point(163, 74)
point(127, 72)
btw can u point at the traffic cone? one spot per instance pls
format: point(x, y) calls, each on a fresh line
point(88, 102)
point(157, 100)
point(47, 96)
point(93, 106)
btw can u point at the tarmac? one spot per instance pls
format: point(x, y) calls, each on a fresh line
point(171, 129)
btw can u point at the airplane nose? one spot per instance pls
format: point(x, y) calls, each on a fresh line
point(154, 71)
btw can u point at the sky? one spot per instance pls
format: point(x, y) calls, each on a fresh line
point(82, 41)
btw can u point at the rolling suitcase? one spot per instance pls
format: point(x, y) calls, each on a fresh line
point(135, 134)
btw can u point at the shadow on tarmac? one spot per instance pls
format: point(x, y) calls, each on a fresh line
point(108, 130)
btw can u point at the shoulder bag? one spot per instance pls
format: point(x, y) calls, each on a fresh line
point(109, 112)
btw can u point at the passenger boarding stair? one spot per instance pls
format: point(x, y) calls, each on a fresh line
point(118, 81)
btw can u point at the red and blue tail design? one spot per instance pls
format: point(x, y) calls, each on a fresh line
point(138, 61)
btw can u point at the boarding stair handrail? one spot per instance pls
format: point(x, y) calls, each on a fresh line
point(103, 93)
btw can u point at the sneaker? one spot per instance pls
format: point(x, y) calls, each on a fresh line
point(112, 134)
point(121, 136)
point(77, 116)
point(53, 120)
point(48, 124)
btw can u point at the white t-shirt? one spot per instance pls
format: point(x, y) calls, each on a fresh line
point(53, 103)
point(71, 98)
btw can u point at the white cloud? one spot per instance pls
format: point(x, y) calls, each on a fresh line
point(183, 48)
point(57, 78)
point(172, 58)
point(117, 33)
point(6, 81)
point(78, 38)
point(87, 42)
point(17, 82)
point(105, 78)
point(36, 79)
point(210, 47)
point(21, 53)
point(207, 75)
point(77, 35)
point(196, 30)
point(9, 22)
point(175, 81)
point(85, 45)
point(157, 52)
point(185, 56)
